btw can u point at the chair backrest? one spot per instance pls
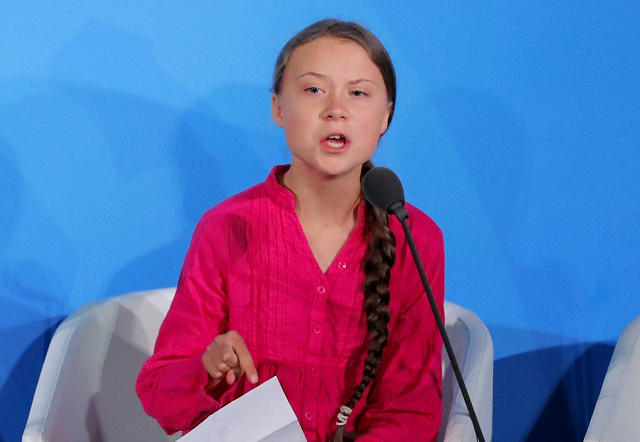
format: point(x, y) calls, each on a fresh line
point(473, 348)
point(86, 388)
point(86, 391)
point(615, 416)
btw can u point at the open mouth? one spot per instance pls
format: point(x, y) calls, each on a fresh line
point(335, 141)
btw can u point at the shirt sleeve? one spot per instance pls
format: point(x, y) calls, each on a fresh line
point(406, 401)
point(171, 384)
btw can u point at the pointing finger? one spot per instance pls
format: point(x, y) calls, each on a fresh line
point(246, 361)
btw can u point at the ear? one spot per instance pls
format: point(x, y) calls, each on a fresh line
point(276, 110)
point(385, 119)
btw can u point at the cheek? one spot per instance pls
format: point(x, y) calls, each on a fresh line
point(296, 128)
point(370, 128)
point(294, 117)
point(375, 116)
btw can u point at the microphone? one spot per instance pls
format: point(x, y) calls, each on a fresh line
point(383, 189)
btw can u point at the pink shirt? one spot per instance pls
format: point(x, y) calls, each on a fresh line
point(249, 268)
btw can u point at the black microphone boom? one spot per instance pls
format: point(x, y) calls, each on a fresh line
point(383, 189)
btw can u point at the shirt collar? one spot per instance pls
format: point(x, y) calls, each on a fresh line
point(282, 196)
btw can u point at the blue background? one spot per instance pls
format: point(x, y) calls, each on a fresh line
point(517, 129)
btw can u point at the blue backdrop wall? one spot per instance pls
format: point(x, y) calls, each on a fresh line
point(517, 129)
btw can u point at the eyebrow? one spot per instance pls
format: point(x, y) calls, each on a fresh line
point(321, 76)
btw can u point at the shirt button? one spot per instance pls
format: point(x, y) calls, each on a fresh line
point(317, 329)
point(308, 415)
point(342, 265)
point(321, 289)
point(313, 368)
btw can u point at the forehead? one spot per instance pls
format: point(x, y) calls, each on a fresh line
point(332, 56)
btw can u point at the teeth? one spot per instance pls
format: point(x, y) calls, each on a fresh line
point(332, 144)
point(335, 137)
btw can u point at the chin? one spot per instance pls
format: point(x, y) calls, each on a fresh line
point(339, 168)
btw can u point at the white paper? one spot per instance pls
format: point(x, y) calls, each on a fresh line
point(261, 415)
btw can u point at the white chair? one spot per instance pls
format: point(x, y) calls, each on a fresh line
point(615, 416)
point(86, 388)
point(473, 348)
point(86, 391)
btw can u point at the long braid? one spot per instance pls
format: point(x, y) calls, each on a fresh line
point(377, 264)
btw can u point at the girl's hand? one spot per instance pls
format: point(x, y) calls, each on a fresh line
point(227, 356)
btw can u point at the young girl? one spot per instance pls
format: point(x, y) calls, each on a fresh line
point(300, 278)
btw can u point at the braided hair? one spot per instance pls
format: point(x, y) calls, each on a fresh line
point(377, 264)
point(381, 251)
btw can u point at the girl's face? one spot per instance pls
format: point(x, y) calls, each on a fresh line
point(332, 105)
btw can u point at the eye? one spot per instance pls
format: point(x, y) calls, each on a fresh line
point(358, 93)
point(313, 90)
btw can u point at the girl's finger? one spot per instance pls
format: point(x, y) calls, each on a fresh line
point(209, 365)
point(246, 361)
point(223, 367)
point(231, 359)
point(225, 351)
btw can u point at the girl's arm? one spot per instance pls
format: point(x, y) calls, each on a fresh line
point(406, 401)
point(172, 383)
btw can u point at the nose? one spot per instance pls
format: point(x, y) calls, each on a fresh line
point(335, 109)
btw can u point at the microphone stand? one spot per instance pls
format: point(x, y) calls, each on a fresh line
point(399, 211)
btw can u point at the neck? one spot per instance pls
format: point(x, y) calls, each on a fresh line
point(329, 200)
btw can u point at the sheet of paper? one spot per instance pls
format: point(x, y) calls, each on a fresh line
point(261, 415)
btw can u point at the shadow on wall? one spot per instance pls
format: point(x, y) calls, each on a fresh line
point(28, 301)
point(546, 394)
point(17, 391)
point(207, 154)
point(212, 159)
point(11, 196)
point(529, 406)
point(494, 149)
point(150, 129)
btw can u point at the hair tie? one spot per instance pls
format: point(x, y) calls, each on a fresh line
point(343, 416)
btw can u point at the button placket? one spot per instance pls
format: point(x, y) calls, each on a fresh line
point(317, 317)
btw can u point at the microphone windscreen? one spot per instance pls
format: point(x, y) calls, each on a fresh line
point(382, 188)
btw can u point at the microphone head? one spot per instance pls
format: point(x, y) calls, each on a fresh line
point(383, 189)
